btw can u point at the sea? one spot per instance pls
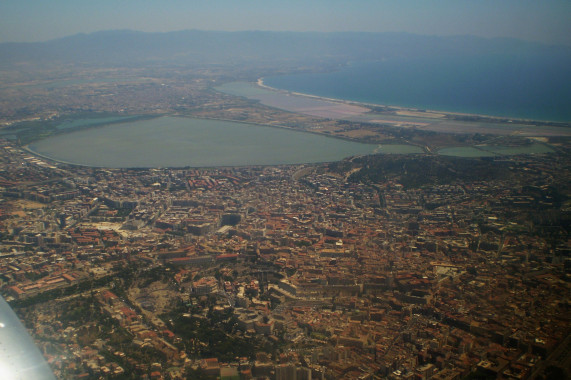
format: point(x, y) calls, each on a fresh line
point(524, 87)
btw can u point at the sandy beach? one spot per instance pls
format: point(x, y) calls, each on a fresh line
point(437, 121)
point(312, 105)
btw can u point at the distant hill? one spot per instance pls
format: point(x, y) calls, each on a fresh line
point(129, 48)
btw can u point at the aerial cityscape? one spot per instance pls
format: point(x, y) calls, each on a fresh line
point(204, 205)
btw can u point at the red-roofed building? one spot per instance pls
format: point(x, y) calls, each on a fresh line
point(109, 297)
point(210, 366)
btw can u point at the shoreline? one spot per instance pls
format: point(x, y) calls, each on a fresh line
point(351, 108)
point(377, 150)
point(447, 115)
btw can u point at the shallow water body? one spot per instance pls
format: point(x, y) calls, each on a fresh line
point(180, 142)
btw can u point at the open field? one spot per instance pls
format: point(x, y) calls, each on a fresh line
point(22, 205)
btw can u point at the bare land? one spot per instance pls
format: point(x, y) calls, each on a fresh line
point(37, 108)
point(403, 117)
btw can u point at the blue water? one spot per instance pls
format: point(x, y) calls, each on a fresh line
point(528, 87)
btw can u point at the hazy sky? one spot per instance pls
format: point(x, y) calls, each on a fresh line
point(40, 20)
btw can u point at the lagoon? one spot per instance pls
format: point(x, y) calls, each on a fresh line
point(170, 141)
point(187, 142)
point(360, 113)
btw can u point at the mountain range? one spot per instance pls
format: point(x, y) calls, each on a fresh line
point(130, 48)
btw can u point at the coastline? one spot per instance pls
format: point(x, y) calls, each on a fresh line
point(366, 113)
point(260, 83)
point(418, 112)
point(53, 160)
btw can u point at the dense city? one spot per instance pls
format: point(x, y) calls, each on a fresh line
point(396, 266)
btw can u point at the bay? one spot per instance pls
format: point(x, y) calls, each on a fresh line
point(525, 87)
point(181, 142)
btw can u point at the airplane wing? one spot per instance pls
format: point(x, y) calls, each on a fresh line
point(20, 359)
